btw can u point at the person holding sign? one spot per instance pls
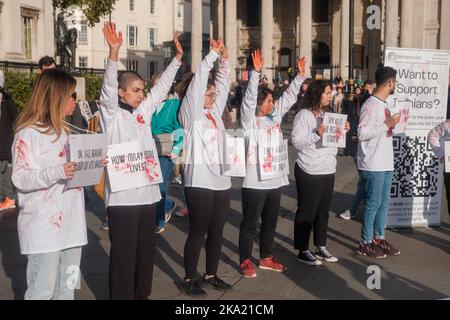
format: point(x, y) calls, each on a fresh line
point(376, 162)
point(315, 170)
point(207, 191)
point(51, 222)
point(126, 116)
point(261, 122)
point(442, 133)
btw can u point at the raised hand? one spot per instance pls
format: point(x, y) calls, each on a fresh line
point(178, 48)
point(113, 39)
point(258, 60)
point(301, 66)
point(216, 45)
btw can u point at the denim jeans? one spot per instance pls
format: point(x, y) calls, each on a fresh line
point(360, 191)
point(165, 203)
point(53, 275)
point(377, 195)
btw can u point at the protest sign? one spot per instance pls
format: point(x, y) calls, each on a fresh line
point(335, 134)
point(447, 156)
point(87, 151)
point(133, 165)
point(234, 165)
point(422, 87)
point(273, 160)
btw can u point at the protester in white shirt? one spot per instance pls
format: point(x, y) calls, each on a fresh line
point(51, 222)
point(315, 170)
point(261, 119)
point(125, 116)
point(376, 162)
point(436, 138)
point(207, 191)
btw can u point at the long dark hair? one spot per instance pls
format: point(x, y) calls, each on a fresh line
point(263, 92)
point(314, 94)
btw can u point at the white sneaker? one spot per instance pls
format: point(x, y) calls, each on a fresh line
point(347, 214)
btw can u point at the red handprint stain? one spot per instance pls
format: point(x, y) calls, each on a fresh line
point(140, 119)
point(267, 166)
point(57, 220)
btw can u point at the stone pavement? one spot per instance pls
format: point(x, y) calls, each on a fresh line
point(420, 272)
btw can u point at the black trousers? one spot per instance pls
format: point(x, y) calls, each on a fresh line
point(314, 194)
point(258, 203)
point(447, 189)
point(132, 236)
point(208, 212)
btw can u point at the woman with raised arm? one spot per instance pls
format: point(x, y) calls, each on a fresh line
point(261, 121)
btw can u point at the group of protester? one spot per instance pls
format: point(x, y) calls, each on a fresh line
point(52, 225)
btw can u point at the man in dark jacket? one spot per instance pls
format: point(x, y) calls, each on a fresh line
point(8, 114)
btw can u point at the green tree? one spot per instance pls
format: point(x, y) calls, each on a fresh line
point(92, 9)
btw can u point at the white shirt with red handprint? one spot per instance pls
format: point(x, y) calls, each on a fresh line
point(50, 218)
point(375, 148)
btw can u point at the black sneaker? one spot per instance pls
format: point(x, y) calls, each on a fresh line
point(192, 288)
point(216, 283)
point(323, 254)
point(308, 258)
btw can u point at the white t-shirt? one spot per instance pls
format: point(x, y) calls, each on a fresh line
point(204, 130)
point(254, 126)
point(50, 218)
point(375, 149)
point(312, 157)
point(127, 125)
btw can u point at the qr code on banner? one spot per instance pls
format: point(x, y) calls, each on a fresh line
point(416, 168)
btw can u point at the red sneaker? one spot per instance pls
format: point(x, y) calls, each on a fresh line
point(7, 204)
point(182, 213)
point(271, 264)
point(247, 269)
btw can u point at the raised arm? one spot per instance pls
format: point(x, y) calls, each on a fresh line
point(222, 82)
point(159, 92)
point(109, 93)
point(289, 97)
point(249, 102)
point(192, 106)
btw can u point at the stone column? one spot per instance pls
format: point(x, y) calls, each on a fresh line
point(306, 33)
point(407, 24)
point(345, 38)
point(267, 38)
point(12, 41)
point(196, 34)
point(220, 18)
point(391, 29)
point(445, 26)
point(230, 35)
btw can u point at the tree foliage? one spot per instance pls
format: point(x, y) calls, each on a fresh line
point(92, 9)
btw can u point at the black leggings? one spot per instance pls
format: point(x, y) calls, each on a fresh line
point(314, 197)
point(447, 189)
point(258, 203)
point(208, 212)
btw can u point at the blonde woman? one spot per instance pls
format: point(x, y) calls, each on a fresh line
point(51, 223)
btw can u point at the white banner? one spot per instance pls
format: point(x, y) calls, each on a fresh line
point(335, 134)
point(421, 100)
point(133, 165)
point(234, 165)
point(87, 151)
point(273, 160)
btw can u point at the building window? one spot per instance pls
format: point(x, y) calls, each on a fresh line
point(132, 65)
point(82, 34)
point(27, 28)
point(152, 67)
point(152, 6)
point(320, 11)
point(132, 36)
point(180, 10)
point(152, 37)
point(82, 62)
point(131, 5)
